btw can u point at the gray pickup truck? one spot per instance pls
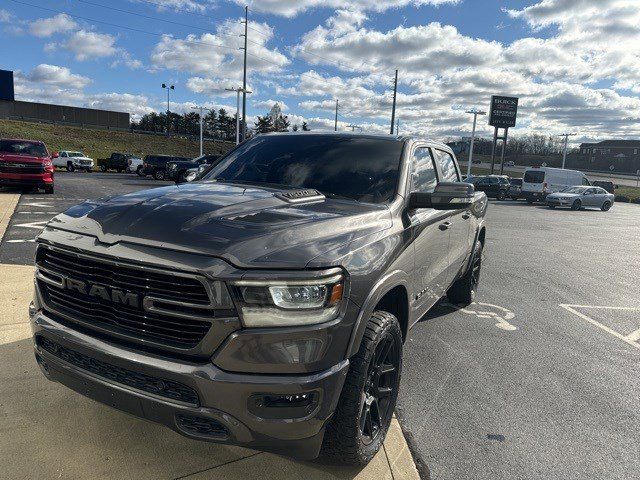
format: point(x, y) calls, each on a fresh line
point(266, 304)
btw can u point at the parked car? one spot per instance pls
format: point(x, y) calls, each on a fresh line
point(495, 186)
point(134, 165)
point(26, 163)
point(274, 296)
point(608, 186)
point(580, 197)
point(515, 188)
point(538, 182)
point(176, 169)
point(156, 165)
point(117, 161)
point(72, 160)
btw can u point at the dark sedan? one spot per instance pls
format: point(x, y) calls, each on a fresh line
point(494, 186)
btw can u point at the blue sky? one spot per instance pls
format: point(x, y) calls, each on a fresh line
point(572, 68)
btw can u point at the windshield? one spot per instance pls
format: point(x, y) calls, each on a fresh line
point(19, 147)
point(362, 168)
point(574, 190)
point(75, 154)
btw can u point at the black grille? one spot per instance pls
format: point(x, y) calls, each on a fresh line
point(17, 167)
point(202, 426)
point(133, 321)
point(157, 386)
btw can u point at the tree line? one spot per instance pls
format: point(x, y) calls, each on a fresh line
point(533, 144)
point(215, 124)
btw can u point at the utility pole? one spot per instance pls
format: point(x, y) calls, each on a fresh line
point(393, 109)
point(169, 88)
point(353, 127)
point(201, 110)
point(244, 76)
point(475, 113)
point(398, 126)
point(238, 90)
point(566, 141)
point(335, 125)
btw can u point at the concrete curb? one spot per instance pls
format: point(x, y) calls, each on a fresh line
point(8, 203)
point(52, 432)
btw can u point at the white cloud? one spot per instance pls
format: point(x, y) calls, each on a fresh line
point(88, 45)
point(5, 16)
point(268, 104)
point(290, 8)
point(180, 5)
point(55, 75)
point(59, 24)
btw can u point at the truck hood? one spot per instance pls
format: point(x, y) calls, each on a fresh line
point(248, 226)
point(81, 158)
point(8, 157)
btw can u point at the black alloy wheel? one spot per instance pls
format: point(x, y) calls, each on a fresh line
point(379, 390)
point(576, 205)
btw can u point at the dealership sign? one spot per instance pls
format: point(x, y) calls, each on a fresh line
point(503, 111)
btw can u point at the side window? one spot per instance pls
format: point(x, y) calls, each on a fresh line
point(63, 154)
point(585, 181)
point(423, 175)
point(590, 191)
point(449, 172)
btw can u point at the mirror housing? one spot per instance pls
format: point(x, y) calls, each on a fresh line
point(55, 155)
point(446, 196)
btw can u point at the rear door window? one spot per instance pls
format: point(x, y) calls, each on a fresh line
point(533, 176)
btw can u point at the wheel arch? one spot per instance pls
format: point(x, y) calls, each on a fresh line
point(391, 291)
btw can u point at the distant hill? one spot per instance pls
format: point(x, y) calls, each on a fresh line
point(100, 143)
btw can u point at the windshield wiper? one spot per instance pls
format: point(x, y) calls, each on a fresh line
point(338, 196)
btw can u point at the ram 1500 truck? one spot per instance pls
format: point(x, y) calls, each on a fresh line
point(26, 163)
point(266, 304)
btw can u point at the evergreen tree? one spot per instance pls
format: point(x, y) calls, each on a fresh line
point(264, 124)
point(305, 127)
point(210, 123)
point(226, 126)
point(295, 127)
point(281, 124)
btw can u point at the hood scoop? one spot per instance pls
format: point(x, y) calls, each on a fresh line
point(302, 195)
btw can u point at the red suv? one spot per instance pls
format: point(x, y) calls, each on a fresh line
point(26, 163)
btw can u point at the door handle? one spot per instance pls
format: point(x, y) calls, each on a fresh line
point(466, 215)
point(444, 226)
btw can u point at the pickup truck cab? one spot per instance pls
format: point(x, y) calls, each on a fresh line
point(266, 304)
point(156, 165)
point(25, 163)
point(72, 160)
point(117, 161)
point(176, 170)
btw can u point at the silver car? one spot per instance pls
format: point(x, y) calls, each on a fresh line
point(581, 197)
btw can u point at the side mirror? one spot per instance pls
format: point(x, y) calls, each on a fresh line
point(55, 155)
point(446, 196)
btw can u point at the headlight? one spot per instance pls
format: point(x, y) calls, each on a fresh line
point(281, 303)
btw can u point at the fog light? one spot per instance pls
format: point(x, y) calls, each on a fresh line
point(283, 406)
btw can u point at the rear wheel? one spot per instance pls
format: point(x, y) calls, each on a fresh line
point(463, 291)
point(501, 195)
point(606, 206)
point(70, 167)
point(360, 423)
point(139, 171)
point(576, 205)
point(158, 174)
point(103, 168)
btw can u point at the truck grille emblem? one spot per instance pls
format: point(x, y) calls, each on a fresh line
point(109, 294)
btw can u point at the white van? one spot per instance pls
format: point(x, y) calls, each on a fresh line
point(538, 182)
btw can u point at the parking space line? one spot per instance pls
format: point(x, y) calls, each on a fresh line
point(626, 339)
point(634, 336)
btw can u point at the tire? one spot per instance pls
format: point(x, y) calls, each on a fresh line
point(48, 189)
point(576, 205)
point(351, 438)
point(103, 168)
point(119, 170)
point(463, 291)
point(501, 195)
point(529, 201)
point(70, 167)
point(158, 174)
point(139, 171)
point(606, 206)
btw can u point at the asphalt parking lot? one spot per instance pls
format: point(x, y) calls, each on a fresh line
point(538, 379)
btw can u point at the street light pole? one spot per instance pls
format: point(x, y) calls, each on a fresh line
point(475, 113)
point(244, 76)
point(335, 125)
point(201, 109)
point(566, 141)
point(168, 87)
point(393, 108)
point(245, 91)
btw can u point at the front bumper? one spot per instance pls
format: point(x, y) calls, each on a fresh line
point(556, 202)
point(534, 196)
point(223, 398)
point(28, 180)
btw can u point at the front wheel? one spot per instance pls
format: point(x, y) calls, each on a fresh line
point(463, 291)
point(103, 168)
point(606, 206)
point(139, 171)
point(360, 423)
point(576, 205)
point(501, 195)
point(70, 167)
